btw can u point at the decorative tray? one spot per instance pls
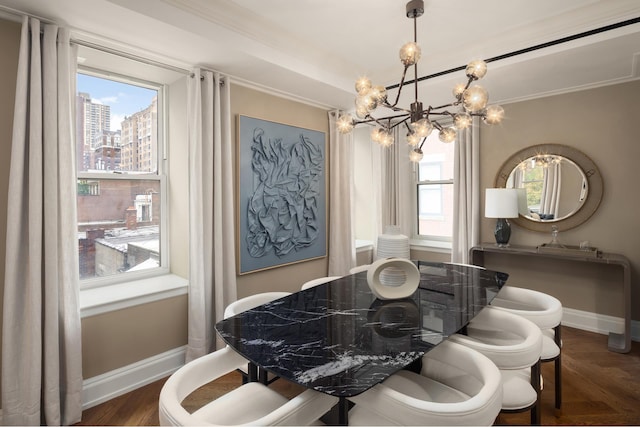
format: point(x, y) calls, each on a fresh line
point(569, 250)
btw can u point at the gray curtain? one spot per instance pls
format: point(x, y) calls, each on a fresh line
point(212, 275)
point(466, 190)
point(41, 339)
point(342, 251)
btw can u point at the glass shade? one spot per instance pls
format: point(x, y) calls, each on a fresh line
point(410, 54)
point(494, 115)
point(422, 127)
point(476, 69)
point(416, 155)
point(345, 123)
point(413, 139)
point(475, 99)
point(458, 89)
point(363, 85)
point(462, 120)
point(447, 135)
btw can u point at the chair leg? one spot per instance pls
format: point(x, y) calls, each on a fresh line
point(558, 376)
point(558, 368)
point(535, 382)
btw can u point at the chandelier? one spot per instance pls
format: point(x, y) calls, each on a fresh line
point(470, 100)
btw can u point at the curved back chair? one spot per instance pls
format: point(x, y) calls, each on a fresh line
point(514, 344)
point(456, 386)
point(545, 311)
point(252, 301)
point(247, 303)
point(250, 404)
point(359, 268)
point(318, 281)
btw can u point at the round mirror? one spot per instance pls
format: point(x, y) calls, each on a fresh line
point(558, 185)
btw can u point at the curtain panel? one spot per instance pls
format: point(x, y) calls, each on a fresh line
point(342, 251)
point(466, 190)
point(212, 276)
point(41, 345)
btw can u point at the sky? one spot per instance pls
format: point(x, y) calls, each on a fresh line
point(124, 99)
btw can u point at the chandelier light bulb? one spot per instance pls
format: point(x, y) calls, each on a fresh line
point(448, 135)
point(476, 69)
point(475, 99)
point(413, 139)
point(387, 139)
point(361, 112)
point(376, 135)
point(410, 54)
point(422, 128)
point(462, 120)
point(345, 123)
point(379, 93)
point(363, 85)
point(416, 155)
point(493, 115)
point(458, 90)
point(367, 101)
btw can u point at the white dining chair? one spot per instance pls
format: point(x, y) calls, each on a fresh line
point(250, 404)
point(319, 281)
point(545, 311)
point(514, 344)
point(456, 386)
point(247, 303)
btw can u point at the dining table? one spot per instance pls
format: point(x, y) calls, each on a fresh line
point(338, 338)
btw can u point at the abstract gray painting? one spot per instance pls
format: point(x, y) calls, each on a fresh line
point(282, 194)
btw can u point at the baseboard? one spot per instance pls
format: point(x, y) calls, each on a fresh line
point(115, 383)
point(599, 323)
point(123, 380)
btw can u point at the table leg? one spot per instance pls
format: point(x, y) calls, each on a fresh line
point(339, 414)
point(252, 372)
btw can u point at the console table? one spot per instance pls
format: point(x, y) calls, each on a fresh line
point(620, 343)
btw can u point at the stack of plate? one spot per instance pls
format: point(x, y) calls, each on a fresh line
point(392, 244)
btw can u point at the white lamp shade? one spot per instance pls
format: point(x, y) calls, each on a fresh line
point(501, 203)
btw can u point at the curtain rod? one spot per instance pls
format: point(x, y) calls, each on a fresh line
point(526, 50)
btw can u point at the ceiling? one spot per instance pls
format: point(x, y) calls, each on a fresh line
point(314, 50)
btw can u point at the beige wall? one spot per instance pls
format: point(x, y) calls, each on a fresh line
point(9, 43)
point(253, 103)
point(602, 123)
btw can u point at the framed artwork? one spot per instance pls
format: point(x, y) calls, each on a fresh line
point(282, 215)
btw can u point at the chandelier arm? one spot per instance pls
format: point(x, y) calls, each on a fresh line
point(404, 74)
point(400, 122)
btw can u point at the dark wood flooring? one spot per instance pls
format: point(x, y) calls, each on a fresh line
point(600, 387)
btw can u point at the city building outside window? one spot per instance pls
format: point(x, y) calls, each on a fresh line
point(121, 185)
point(434, 190)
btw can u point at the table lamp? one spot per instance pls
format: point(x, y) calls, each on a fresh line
point(501, 203)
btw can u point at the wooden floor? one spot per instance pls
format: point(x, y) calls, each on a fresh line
point(600, 388)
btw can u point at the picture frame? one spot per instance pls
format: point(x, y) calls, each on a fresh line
point(281, 187)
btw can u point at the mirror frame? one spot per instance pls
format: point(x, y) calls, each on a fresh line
point(589, 169)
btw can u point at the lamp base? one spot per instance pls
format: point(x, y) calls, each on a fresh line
point(502, 232)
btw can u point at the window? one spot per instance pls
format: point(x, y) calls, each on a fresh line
point(121, 186)
point(434, 184)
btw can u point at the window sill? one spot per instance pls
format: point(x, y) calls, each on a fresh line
point(431, 246)
point(363, 245)
point(115, 297)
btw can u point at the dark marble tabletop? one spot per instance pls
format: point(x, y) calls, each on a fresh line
point(339, 339)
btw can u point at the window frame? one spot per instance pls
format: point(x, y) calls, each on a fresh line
point(160, 175)
point(424, 239)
